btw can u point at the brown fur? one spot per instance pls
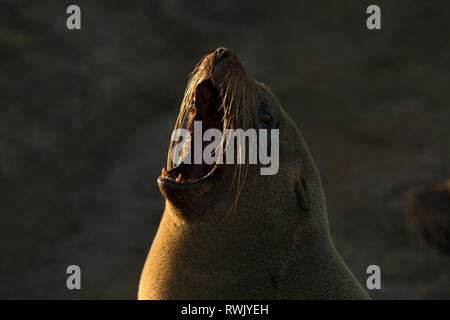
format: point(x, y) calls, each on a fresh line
point(274, 243)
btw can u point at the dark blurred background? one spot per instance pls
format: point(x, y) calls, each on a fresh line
point(86, 116)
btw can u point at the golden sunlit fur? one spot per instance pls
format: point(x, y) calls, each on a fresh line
point(276, 243)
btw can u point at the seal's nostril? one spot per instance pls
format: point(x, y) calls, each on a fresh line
point(222, 53)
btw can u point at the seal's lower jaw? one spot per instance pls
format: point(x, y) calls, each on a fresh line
point(188, 197)
point(170, 186)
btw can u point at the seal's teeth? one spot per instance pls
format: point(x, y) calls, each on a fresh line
point(164, 173)
point(178, 178)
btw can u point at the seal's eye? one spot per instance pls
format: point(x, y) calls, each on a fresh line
point(266, 117)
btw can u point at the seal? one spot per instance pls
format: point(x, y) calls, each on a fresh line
point(229, 232)
point(427, 209)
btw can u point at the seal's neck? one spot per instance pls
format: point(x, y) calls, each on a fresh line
point(226, 258)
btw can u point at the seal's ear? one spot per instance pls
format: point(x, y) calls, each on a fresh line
point(299, 187)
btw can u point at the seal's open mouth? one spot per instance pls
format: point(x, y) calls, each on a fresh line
point(207, 108)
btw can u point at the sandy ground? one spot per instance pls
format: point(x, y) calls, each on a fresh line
point(85, 119)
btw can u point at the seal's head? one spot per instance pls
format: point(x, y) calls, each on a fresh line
point(223, 96)
point(231, 230)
